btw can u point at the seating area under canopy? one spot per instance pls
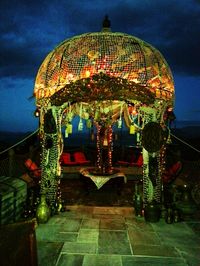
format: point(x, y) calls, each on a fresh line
point(104, 77)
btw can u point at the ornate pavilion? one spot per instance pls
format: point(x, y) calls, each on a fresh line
point(104, 77)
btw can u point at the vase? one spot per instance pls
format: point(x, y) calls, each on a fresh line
point(152, 212)
point(138, 205)
point(43, 210)
point(186, 205)
point(169, 217)
point(176, 216)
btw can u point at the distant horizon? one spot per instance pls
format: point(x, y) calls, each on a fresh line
point(177, 124)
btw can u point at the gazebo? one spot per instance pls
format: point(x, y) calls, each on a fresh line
point(104, 77)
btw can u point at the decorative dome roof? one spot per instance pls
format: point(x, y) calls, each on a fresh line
point(116, 55)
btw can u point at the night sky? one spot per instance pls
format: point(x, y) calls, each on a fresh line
point(29, 30)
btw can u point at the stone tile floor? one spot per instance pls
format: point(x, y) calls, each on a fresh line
point(113, 236)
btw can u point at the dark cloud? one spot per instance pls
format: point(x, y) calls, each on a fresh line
point(195, 111)
point(181, 40)
point(31, 29)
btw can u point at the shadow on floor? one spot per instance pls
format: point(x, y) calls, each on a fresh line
point(78, 191)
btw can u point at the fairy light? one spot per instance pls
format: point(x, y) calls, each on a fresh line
point(110, 146)
point(98, 147)
point(105, 67)
point(37, 112)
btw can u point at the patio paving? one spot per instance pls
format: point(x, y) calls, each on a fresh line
point(103, 236)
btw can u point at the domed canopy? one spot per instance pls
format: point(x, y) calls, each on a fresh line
point(116, 55)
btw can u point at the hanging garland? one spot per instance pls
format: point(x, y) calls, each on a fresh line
point(101, 87)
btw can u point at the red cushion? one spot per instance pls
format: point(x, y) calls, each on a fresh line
point(139, 162)
point(172, 172)
point(123, 163)
point(175, 168)
point(66, 159)
point(80, 158)
point(32, 167)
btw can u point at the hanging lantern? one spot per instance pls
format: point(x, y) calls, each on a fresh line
point(105, 141)
point(119, 123)
point(88, 123)
point(138, 138)
point(132, 129)
point(69, 128)
point(66, 133)
point(92, 136)
point(80, 125)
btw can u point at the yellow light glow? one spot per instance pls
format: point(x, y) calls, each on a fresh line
point(132, 129)
point(87, 73)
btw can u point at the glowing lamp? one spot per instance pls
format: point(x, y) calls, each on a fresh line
point(87, 73)
point(37, 113)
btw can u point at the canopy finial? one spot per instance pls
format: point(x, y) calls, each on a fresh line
point(106, 24)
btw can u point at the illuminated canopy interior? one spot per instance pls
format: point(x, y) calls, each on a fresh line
point(116, 55)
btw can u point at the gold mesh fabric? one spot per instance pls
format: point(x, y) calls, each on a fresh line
point(115, 54)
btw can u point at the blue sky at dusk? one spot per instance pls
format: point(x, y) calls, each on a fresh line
point(29, 30)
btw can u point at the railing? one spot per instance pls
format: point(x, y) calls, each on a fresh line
point(12, 163)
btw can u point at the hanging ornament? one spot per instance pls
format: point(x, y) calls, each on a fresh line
point(138, 139)
point(70, 114)
point(119, 123)
point(132, 129)
point(66, 133)
point(69, 128)
point(80, 125)
point(92, 136)
point(88, 123)
point(105, 141)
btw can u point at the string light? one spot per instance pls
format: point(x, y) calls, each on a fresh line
point(105, 67)
point(37, 112)
point(110, 146)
